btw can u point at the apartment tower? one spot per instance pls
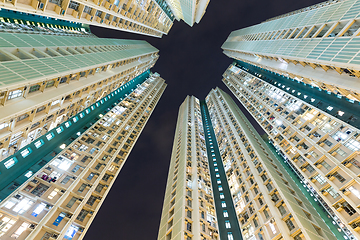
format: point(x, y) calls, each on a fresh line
point(48, 78)
point(311, 130)
point(317, 45)
point(190, 11)
point(150, 17)
point(60, 198)
point(226, 183)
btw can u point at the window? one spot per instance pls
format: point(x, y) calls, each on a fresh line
point(38, 209)
point(24, 153)
point(53, 193)
point(20, 230)
point(3, 125)
point(320, 179)
point(222, 196)
point(282, 209)
point(83, 213)
point(352, 145)
point(226, 214)
point(354, 191)
point(39, 143)
point(59, 129)
point(23, 206)
point(220, 188)
point(29, 174)
point(272, 227)
point(269, 187)
point(339, 177)
point(49, 136)
point(227, 224)
point(66, 179)
point(230, 236)
point(325, 165)
point(91, 175)
point(340, 152)
point(15, 94)
point(34, 88)
point(11, 162)
point(223, 204)
point(332, 192)
point(266, 214)
point(82, 188)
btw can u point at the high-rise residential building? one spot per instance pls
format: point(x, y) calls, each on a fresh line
point(57, 71)
point(59, 198)
point(190, 11)
point(147, 17)
point(72, 108)
point(317, 45)
point(316, 133)
point(226, 183)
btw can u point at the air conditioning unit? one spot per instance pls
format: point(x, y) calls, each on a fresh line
point(32, 226)
point(48, 206)
point(338, 205)
point(18, 196)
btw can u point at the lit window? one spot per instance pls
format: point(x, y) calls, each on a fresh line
point(218, 181)
point(20, 230)
point(3, 125)
point(227, 224)
point(313, 100)
point(68, 124)
point(223, 204)
point(354, 191)
point(11, 162)
point(49, 136)
point(53, 193)
point(87, 111)
point(352, 145)
point(222, 196)
point(23, 206)
point(29, 174)
point(340, 113)
point(220, 188)
point(82, 115)
point(75, 119)
point(39, 143)
point(230, 236)
point(55, 102)
point(38, 209)
point(330, 108)
point(9, 204)
point(226, 214)
point(59, 129)
point(62, 146)
point(272, 227)
point(15, 94)
point(92, 107)
point(26, 152)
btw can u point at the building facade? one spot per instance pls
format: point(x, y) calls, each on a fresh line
point(316, 139)
point(190, 11)
point(148, 17)
point(60, 200)
point(317, 45)
point(250, 194)
point(48, 78)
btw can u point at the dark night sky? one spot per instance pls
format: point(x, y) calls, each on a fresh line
point(192, 63)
